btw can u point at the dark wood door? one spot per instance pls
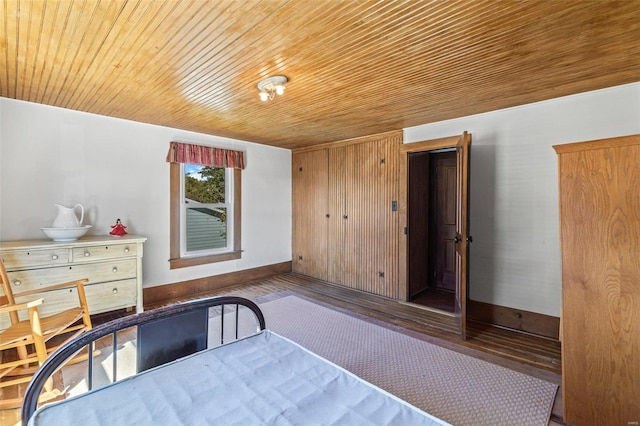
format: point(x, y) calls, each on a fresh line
point(443, 223)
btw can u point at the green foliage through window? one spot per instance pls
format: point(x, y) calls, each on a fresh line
point(208, 189)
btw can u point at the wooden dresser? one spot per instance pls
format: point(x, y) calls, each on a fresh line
point(600, 243)
point(113, 266)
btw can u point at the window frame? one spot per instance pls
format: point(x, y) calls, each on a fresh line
point(176, 259)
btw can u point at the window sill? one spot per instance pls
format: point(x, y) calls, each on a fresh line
point(184, 262)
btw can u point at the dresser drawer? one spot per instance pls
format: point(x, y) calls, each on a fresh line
point(113, 295)
point(101, 297)
point(23, 259)
point(36, 279)
point(111, 251)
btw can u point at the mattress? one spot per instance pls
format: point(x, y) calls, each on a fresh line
point(264, 379)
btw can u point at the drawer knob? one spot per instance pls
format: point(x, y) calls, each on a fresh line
point(17, 282)
point(115, 269)
point(114, 291)
point(87, 254)
point(126, 249)
point(54, 256)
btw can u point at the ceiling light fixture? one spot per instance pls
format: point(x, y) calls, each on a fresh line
point(272, 86)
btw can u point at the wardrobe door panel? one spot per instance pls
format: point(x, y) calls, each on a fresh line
point(337, 215)
point(365, 231)
point(371, 234)
point(310, 209)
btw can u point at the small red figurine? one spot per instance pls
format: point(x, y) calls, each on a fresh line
point(118, 229)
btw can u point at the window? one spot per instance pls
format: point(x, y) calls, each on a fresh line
point(205, 214)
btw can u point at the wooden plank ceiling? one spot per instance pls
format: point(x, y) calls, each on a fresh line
point(356, 67)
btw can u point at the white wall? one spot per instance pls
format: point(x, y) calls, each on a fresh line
point(515, 257)
point(117, 169)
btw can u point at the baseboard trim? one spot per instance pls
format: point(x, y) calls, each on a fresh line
point(516, 319)
point(154, 296)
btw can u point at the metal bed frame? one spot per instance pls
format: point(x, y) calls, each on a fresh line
point(164, 334)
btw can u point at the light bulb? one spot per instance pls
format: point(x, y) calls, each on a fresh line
point(264, 96)
point(280, 89)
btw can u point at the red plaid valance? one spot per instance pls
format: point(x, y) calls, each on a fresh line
point(204, 155)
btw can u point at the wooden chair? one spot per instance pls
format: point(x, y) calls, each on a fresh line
point(31, 335)
point(18, 368)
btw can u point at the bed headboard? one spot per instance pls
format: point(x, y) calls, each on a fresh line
point(163, 334)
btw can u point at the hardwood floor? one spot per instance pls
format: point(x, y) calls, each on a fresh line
point(538, 357)
point(528, 350)
point(443, 300)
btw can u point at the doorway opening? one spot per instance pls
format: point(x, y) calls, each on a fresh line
point(432, 229)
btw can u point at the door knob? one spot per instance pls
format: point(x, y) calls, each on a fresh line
point(456, 240)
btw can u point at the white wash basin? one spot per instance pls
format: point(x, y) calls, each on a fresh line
point(65, 234)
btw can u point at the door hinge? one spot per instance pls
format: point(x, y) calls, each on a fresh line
point(405, 230)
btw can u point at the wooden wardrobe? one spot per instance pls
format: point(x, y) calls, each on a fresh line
point(600, 244)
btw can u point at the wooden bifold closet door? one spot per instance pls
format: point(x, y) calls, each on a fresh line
point(310, 208)
point(363, 217)
point(360, 220)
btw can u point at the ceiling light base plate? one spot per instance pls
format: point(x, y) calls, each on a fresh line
point(270, 83)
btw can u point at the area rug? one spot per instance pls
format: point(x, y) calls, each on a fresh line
point(457, 388)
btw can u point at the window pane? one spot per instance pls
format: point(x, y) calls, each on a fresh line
point(206, 228)
point(204, 184)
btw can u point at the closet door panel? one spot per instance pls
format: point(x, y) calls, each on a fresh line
point(337, 212)
point(371, 234)
point(369, 218)
point(310, 208)
point(388, 249)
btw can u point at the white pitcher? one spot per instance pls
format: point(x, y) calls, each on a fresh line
point(67, 217)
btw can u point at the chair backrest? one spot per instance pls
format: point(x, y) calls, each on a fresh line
point(6, 294)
